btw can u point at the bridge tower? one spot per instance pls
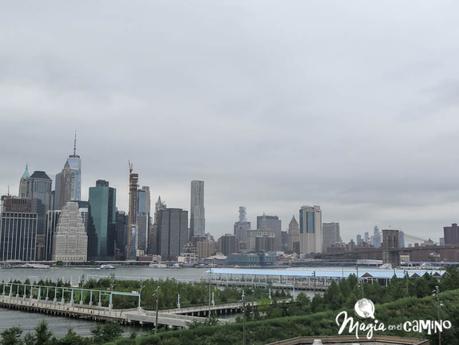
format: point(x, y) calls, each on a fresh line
point(391, 247)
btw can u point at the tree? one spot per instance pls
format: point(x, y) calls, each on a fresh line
point(107, 332)
point(303, 301)
point(450, 279)
point(71, 338)
point(11, 336)
point(43, 335)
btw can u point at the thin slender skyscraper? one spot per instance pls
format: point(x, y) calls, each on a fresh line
point(197, 213)
point(131, 247)
point(143, 219)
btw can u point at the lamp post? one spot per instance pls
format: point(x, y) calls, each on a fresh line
point(157, 309)
point(243, 319)
point(436, 294)
point(209, 297)
point(140, 296)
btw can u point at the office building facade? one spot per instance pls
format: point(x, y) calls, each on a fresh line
point(331, 235)
point(241, 228)
point(172, 232)
point(228, 244)
point(294, 236)
point(18, 229)
point(143, 219)
point(40, 186)
point(451, 234)
point(311, 236)
point(70, 243)
point(197, 211)
point(102, 220)
point(271, 224)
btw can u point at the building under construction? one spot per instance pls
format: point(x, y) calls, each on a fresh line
point(131, 247)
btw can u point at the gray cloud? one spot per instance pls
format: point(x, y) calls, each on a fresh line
point(350, 105)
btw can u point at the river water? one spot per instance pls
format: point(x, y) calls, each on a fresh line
point(59, 325)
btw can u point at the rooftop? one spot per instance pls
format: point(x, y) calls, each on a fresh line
point(40, 174)
point(326, 272)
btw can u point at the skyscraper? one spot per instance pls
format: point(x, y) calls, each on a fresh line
point(40, 186)
point(121, 230)
point(331, 235)
point(153, 245)
point(273, 224)
point(102, 219)
point(228, 244)
point(172, 232)
point(18, 229)
point(52, 218)
point(68, 181)
point(70, 242)
point(376, 239)
point(311, 237)
point(294, 236)
point(451, 234)
point(24, 183)
point(143, 219)
point(241, 228)
point(131, 247)
point(197, 212)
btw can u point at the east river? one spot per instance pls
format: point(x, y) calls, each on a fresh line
point(59, 325)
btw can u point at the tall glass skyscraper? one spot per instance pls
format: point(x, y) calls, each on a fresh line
point(197, 212)
point(143, 219)
point(102, 220)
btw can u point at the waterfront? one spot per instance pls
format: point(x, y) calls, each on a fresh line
point(75, 274)
point(60, 325)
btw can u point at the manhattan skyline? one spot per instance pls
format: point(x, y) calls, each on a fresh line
point(354, 109)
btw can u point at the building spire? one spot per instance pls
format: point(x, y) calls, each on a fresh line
point(74, 144)
point(26, 174)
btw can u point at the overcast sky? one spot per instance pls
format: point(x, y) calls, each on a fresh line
point(350, 105)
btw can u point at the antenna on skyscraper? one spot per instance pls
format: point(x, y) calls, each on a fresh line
point(74, 145)
point(130, 167)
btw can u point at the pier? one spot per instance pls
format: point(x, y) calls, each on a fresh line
point(307, 279)
point(97, 305)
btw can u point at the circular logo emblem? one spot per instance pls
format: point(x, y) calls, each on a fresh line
point(365, 308)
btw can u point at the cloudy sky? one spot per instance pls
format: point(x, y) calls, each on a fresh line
point(350, 105)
